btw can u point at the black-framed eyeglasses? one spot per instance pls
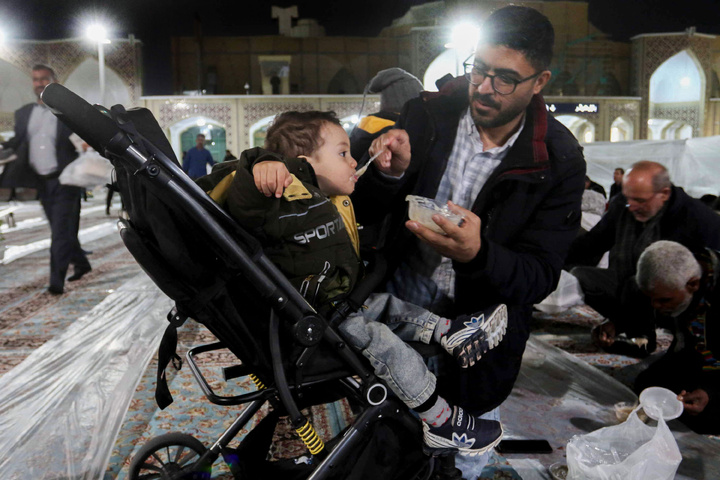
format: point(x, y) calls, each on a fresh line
point(501, 83)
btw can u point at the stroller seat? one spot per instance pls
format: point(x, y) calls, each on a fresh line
point(217, 274)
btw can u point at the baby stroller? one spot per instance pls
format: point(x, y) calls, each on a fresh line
point(217, 274)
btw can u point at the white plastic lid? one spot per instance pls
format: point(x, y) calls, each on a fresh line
point(422, 209)
point(660, 402)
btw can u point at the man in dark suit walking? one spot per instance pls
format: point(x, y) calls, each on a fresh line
point(43, 150)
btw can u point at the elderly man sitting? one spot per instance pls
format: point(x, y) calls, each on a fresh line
point(683, 291)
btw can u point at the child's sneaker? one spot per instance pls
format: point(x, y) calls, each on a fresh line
point(464, 432)
point(469, 340)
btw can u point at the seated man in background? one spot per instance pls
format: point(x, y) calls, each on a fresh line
point(616, 187)
point(594, 186)
point(652, 209)
point(683, 290)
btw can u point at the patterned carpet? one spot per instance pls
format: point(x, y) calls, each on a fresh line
point(191, 413)
point(570, 331)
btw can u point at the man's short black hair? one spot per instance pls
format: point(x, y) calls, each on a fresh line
point(42, 66)
point(523, 29)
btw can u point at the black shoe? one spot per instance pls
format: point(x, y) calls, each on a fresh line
point(55, 290)
point(79, 272)
point(469, 340)
point(468, 434)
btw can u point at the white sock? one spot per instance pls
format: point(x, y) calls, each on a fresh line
point(441, 328)
point(438, 414)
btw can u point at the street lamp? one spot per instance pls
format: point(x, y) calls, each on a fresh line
point(464, 38)
point(98, 34)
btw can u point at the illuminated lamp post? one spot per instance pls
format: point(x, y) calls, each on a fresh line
point(98, 34)
point(464, 38)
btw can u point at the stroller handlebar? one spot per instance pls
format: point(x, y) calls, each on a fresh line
point(90, 123)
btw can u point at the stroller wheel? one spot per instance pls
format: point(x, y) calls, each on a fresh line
point(169, 457)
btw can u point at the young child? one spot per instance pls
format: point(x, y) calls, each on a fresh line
point(294, 198)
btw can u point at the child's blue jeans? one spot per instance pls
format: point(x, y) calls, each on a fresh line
point(380, 332)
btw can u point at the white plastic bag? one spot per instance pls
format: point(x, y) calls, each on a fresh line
point(88, 170)
point(631, 450)
point(567, 294)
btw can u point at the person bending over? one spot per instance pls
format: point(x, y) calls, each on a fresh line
point(683, 290)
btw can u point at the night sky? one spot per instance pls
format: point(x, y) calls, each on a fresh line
point(155, 21)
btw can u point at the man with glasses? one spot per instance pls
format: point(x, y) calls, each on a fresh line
point(650, 208)
point(486, 146)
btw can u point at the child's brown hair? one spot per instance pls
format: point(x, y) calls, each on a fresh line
point(298, 133)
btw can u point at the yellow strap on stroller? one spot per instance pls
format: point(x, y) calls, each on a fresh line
point(310, 438)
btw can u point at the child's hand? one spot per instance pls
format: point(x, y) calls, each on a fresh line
point(271, 177)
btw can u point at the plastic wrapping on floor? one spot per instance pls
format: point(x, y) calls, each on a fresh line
point(558, 396)
point(61, 408)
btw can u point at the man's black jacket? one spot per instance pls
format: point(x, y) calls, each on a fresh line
point(19, 173)
point(530, 212)
point(686, 221)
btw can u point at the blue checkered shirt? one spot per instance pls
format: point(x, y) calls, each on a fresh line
point(425, 277)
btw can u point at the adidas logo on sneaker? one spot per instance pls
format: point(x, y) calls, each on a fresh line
point(465, 433)
point(469, 340)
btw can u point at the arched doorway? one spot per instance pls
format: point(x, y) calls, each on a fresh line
point(663, 129)
point(621, 130)
point(583, 130)
point(258, 131)
point(677, 94)
point(15, 87)
point(446, 62)
point(183, 133)
point(85, 81)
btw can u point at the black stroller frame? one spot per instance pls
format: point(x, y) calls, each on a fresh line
point(296, 358)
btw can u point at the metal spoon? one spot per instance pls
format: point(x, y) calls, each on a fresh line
point(365, 167)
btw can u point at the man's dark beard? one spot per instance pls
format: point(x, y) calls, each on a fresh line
point(503, 117)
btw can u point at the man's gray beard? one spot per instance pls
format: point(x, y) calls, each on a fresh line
point(682, 307)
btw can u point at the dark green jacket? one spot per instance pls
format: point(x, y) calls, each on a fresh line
point(308, 235)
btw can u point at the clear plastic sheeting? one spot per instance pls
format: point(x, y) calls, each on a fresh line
point(558, 396)
point(61, 408)
point(694, 164)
